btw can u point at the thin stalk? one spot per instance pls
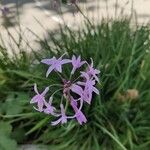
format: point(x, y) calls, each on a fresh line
point(85, 17)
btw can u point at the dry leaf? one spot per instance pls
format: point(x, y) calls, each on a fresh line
point(131, 94)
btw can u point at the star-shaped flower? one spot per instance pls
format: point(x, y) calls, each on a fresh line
point(79, 90)
point(55, 64)
point(89, 83)
point(49, 108)
point(39, 98)
point(93, 72)
point(79, 115)
point(86, 92)
point(88, 86)
point(62, 119)
point(77, 63)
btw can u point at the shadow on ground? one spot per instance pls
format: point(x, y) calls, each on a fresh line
point(16, 8)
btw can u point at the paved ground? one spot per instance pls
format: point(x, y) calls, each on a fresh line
point(33, 11)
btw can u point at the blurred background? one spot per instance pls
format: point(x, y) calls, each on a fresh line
point(115, 33)
point(31, 14)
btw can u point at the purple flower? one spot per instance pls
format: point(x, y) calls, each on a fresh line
point(77, 63)
point(39, 98)
point(89, 83)
point(74, 91)
point(49, 108)
point(86, 93)
point(83, 94)
point(62, 119)
point(93, 72)
point(88, 86)
point(79, 115)
point(55, 64)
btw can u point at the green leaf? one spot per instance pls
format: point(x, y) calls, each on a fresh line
point(14, 103)
point(7, 143)
point(5, 128)
point(23, 98)
point(112, 136)
point(38, 125)
point(19, 135)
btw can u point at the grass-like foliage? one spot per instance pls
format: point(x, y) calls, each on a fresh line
point(117, 119)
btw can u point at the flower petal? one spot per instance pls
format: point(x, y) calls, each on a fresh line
point(45, 91)
point(79, 115)
point(49, 110)
point(40, 105)
point(58, 68)
point(97, 71)
point(81, 118)
point(73, 58)
point(34, 99)
point(62, 110)
point(48, 61)
point(65, 61)
point(88, 97)
point(81, 83)
point(76, 89)
point(79, 59)
point(63, 120)
point(96, 78)
point(50, 100)
point(73, 70)
point(82, 62)
point(35, 88)
point(96, 90)
point(54, 123)
point(84, 74)
point(91, 62)
point(49, 70)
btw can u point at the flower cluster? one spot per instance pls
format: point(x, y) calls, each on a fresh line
point(75, 92)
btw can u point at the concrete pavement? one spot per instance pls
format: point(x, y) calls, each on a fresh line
point(32, 10)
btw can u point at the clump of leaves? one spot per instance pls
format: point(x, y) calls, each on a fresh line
point(122, 55)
